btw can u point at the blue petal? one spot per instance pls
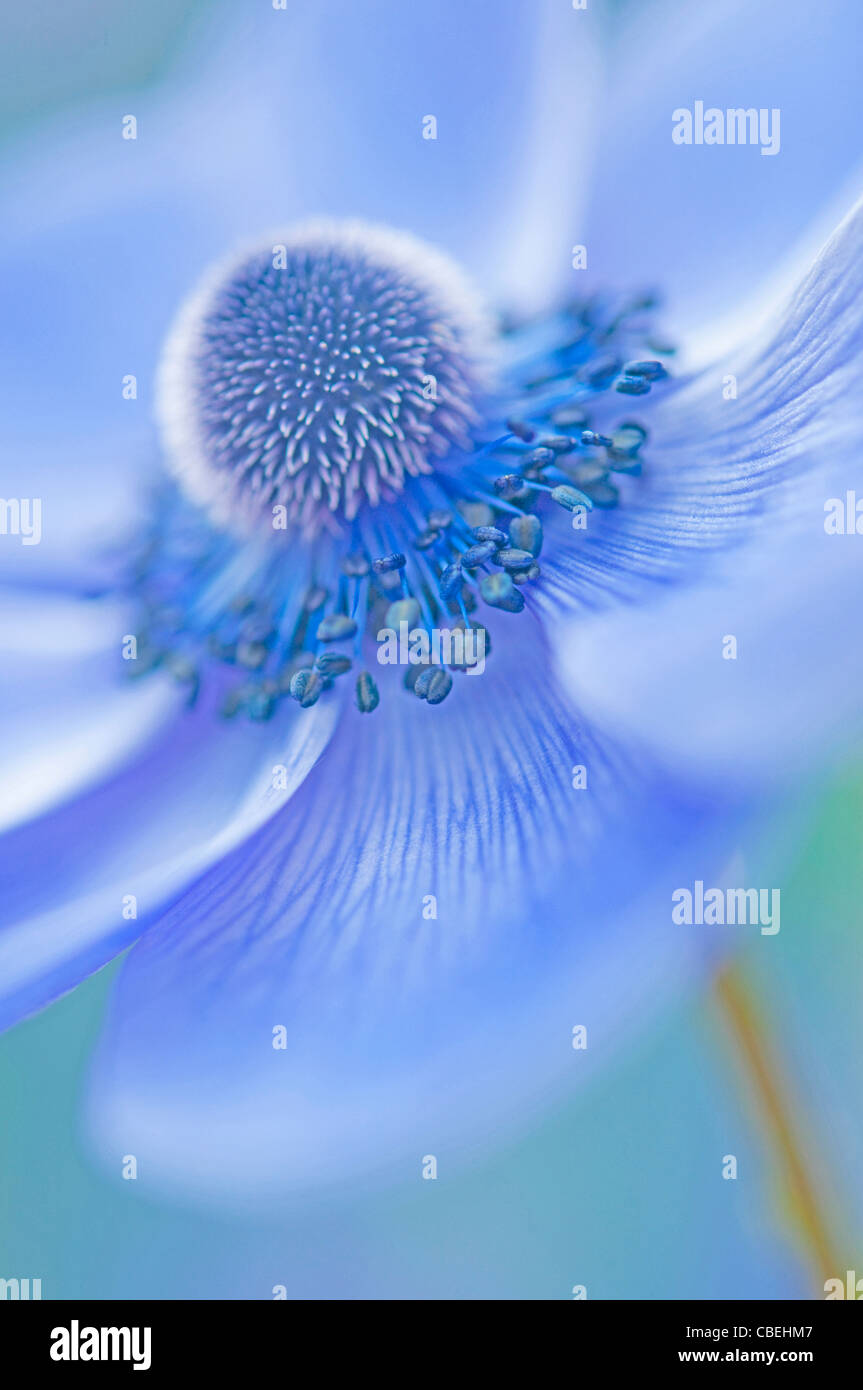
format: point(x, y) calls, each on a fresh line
point(89, 290)
point(710, 224)
point(102, 240)
point(787, 700)
point(737, 502)
point(428, 920)
point(332, 101)
point(714, 467)
point(193, 791)
point(65, 719)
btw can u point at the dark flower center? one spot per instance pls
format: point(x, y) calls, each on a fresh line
point(376, 500)
point(319, 373)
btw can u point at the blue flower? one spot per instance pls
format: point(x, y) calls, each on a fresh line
point(366, 922)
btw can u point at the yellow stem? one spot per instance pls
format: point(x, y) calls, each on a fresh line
point(772, 1102)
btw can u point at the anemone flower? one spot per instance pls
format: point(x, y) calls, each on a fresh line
point(341, 268)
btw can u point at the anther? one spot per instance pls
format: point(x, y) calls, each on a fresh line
point(404, 610)
point(490, 533)
point(315, 598)
point(335, 628)
point(368, 698)
point(332, 664)
point(604, 494)
point(632, 386)
point(476, 555)
point(499, 591)
point(387, 563)
point(451, 580)
point(525, 533)
point(514, 559)
point(306, 687)
point(476, 513)
point(521, 430)
point(355, 566)
point(570, 498)
point(558, 443)
point(526, 576)
point(540, 457)
point(600, 371)
point(626, 442)
point(651, 371)
point(569, 417)
point(261, 703)
point(509, 486)
point(433, 684)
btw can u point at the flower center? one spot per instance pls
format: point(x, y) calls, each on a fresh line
point(378, 501)
point(318, 373)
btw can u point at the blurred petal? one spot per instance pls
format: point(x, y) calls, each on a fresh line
point(427, 920)
point(738, 500)
point(195, 791)
point(88, 288)
point(716, 469)
point(321, 109)
point(788, 701)
point(709, 224)
point(65, 718)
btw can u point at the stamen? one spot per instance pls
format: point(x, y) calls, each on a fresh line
point(490, 533)
point(368, 698)
point(570, 497)
point(307, 687)
point(451, 580)
point(433, 684)
point(525, 533)
point(514, 559)
point(650, 371)
point(387, 563)
point(336, 628)
point(331, 664)
point(476, 555)
point(421, 529)
point(499, 591)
